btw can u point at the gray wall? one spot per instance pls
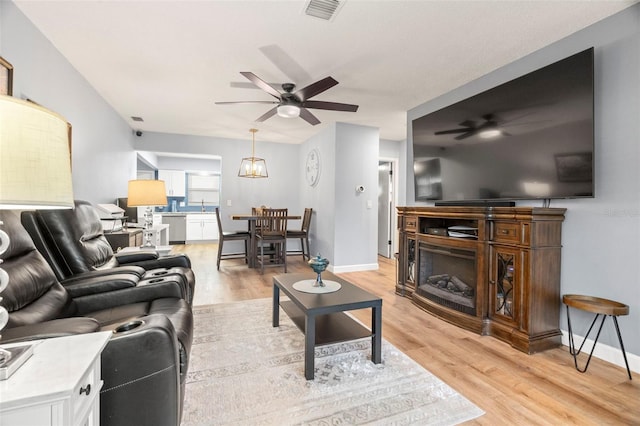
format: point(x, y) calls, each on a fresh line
point(279, 190)
point(356, 162)
point(103, 155)
point(105, 148)
point(343, 228)
point(601, 236)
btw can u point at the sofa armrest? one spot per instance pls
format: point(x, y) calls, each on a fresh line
point(171, 261)
point(145, 291)
point(127, 269)
point(140, 369)
point(95, 284)
point(50, 329)
point(132, 257)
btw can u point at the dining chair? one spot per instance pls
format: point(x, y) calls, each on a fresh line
point(231, 236)
point(271, 238)
point(257, 211)
point(303, 235)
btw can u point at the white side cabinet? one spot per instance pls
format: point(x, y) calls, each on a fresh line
point(202, 227)
point(59, 385)
point(174, 181)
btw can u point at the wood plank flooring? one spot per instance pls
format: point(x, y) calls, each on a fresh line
point(511, 387)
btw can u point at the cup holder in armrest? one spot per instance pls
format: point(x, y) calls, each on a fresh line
point(160, 273)
point(128, 326)
point(151, 281)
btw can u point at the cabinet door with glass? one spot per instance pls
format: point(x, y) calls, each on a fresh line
point(410, 255)
point(505, 283)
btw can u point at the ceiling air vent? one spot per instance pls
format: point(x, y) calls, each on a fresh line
point(137, 118)
point(323, 9)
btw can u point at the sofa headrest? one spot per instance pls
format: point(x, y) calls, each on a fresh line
point(20, 241)
point(88, 220)
point(77, 236)
point(33, 293)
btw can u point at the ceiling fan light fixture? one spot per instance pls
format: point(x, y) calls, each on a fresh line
point(288, 111)
point(489, 133)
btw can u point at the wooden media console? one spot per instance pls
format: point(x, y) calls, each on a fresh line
point(491, 270)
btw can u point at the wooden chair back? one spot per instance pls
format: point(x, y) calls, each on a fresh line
point(306, 219)
point(220, 232)
point(273, 223)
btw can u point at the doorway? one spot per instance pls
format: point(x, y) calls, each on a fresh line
point(386, 208)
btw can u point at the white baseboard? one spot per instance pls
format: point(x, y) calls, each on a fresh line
point(353, 268)
point(611, 354)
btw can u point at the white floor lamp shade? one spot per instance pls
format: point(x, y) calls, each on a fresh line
point(35, 173)
point(35, 161)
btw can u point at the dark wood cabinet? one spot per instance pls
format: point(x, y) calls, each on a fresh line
point(124, 238)
point(491, 270)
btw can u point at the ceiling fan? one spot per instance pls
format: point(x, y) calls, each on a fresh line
point(486, 130)
point(291, 104)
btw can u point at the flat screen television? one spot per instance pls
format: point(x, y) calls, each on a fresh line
point(529, 138)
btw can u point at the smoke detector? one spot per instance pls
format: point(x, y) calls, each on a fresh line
point(323, 9)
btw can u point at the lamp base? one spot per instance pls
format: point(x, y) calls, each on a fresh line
point(147, 240)
point(19, 354)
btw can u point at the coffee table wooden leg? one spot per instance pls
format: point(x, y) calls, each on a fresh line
point(376, 334)
point(309, 346)
point(275, 315)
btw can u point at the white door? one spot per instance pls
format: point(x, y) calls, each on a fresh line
point(385, 208)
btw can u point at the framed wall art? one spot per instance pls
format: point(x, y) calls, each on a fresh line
point(6, 77)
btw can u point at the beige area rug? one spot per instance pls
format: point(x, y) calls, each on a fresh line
point(245, 372)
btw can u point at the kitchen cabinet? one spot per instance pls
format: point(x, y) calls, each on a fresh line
point(174, 181)
point(126, 238)
point(202, 227)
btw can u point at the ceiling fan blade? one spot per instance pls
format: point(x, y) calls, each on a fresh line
point(465, 135)
point(246, 102)
point(248, 85)
point(315, 88)
point(332, 106)
point(267, 115)
point(261, 84)
point(285, 63)
point(452, 131)
point(306, 115)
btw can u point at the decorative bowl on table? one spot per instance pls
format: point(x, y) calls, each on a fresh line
point(318, 264)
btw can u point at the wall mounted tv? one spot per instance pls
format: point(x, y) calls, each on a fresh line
point(529, 138)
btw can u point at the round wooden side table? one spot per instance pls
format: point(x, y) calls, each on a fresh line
point(598, 306)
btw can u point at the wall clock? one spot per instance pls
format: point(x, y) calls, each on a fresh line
point(312, 168)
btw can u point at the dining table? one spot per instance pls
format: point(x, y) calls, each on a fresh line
point(252, 219)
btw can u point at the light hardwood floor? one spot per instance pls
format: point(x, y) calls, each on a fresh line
point(511, 387)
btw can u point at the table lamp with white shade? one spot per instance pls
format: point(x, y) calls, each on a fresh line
point(35, 173)
point(147, 193)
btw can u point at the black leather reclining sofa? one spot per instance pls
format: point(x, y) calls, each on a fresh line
point(145, 362)
point(73, 243)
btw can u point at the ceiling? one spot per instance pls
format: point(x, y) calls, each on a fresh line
point(169, 61)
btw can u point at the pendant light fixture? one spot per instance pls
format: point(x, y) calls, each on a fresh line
point(253, 167)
